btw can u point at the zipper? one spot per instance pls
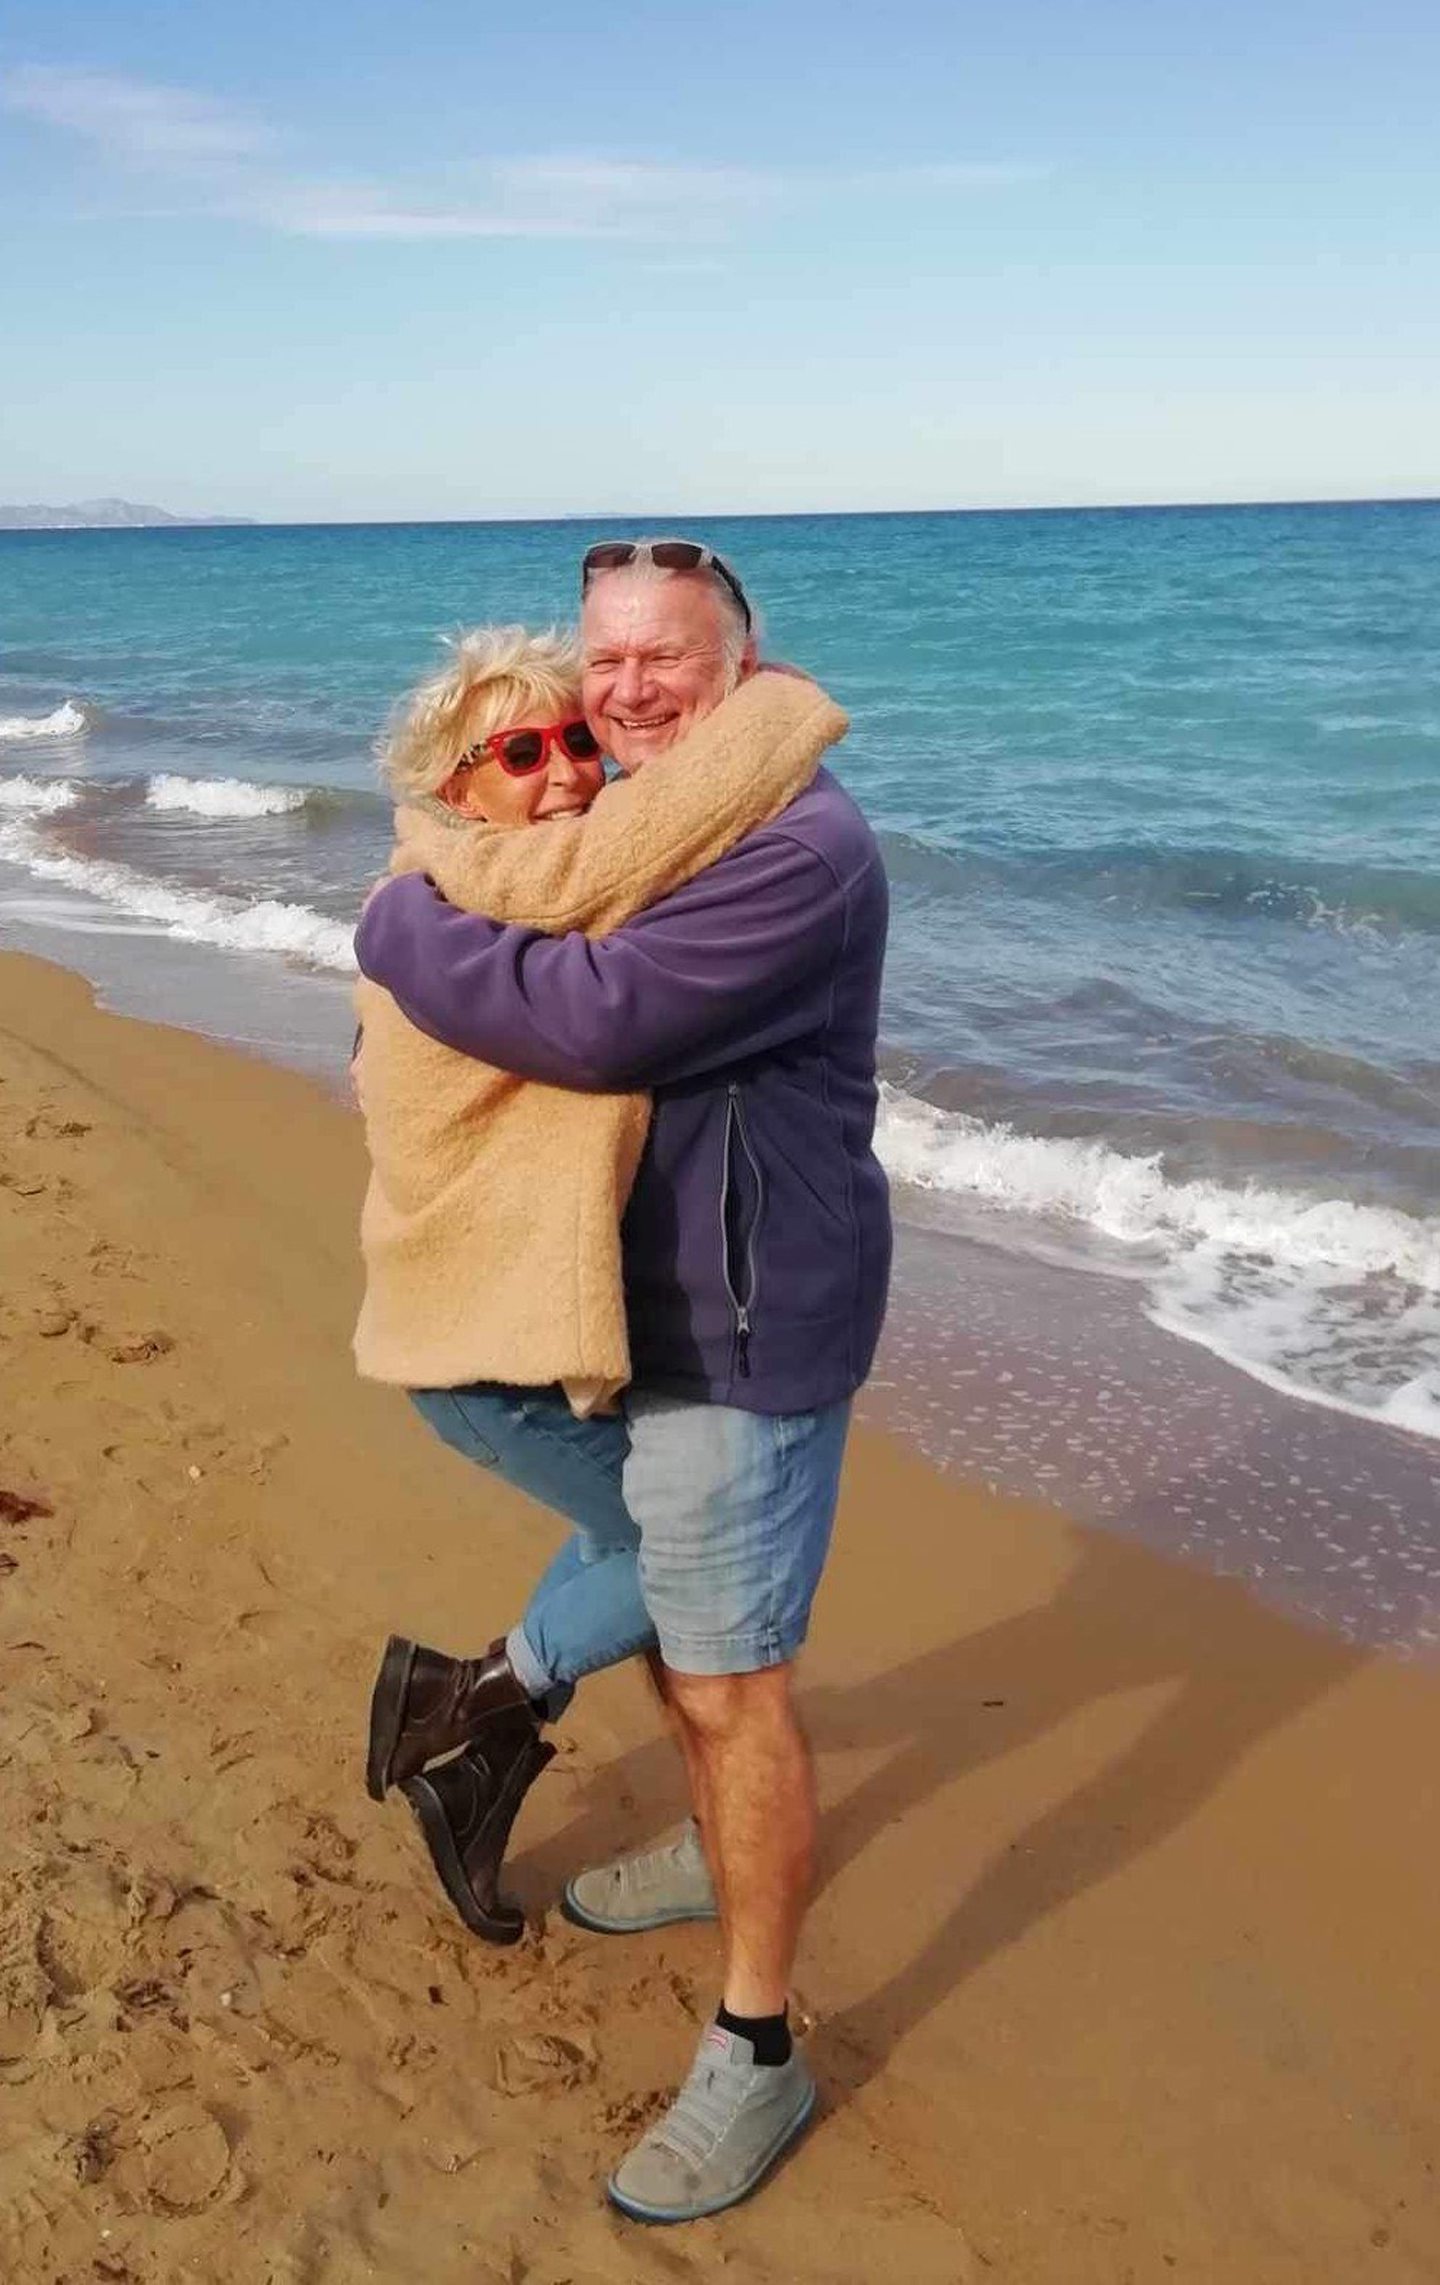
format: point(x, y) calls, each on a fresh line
point(744, 1310)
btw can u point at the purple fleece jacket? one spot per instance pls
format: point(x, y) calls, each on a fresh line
point(757, 1239)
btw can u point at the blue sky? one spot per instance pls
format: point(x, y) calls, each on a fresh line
point(460, 260)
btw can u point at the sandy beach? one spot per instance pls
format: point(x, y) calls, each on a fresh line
point(1123, 1962)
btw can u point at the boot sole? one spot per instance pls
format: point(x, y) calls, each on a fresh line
point(573, 1911)
point(661, 2216)
point(435, 1826)
point(387, 1714)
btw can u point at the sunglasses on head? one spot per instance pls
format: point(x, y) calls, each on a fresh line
point(521, 752)
point(668, 555)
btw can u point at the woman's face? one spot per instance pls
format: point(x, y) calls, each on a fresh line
point(559, 786)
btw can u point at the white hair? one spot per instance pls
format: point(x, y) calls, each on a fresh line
point(734, 635)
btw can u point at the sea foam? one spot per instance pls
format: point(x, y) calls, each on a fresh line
point(292, 930)
point(1132, 1200)
point(34, 799)
point(66, 721)
point(223, 797)
point(1332, 1301)
point(1368, 1346)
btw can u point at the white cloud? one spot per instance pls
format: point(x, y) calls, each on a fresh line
point(623, 199)
point(968, 174)
point(131, 118)
point(320, 210)
point(536, 197)
point(230, 169)
point(627, 184)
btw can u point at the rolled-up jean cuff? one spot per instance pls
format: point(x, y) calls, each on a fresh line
point(529, 1671)
point(729, 1654)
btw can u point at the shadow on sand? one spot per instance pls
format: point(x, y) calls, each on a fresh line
point(1122, 1620)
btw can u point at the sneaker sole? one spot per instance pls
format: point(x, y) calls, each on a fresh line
point(387, 1714)
point(663, 2215)
point(573, 1910)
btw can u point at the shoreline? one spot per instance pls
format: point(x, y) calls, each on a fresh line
point(1122, 1960)
point(1042, 1380)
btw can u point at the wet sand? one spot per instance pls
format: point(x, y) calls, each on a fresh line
point(1048, 1383)
point(1122, 1966)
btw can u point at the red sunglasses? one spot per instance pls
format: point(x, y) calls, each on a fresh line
point(521, 752)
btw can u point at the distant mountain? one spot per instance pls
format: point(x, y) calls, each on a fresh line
point(98, 515)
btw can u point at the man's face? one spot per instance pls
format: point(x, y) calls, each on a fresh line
point(655, 661)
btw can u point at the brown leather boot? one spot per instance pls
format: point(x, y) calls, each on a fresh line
point(424, 1705)
point(466, 1809)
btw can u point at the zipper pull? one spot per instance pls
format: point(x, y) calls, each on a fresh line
point(742, 1343)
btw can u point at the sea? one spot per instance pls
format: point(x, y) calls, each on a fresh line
point(1159, 795)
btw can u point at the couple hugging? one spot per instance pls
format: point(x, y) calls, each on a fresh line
point(627, 1245)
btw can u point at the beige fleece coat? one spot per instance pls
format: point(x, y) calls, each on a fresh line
point(491, 1227)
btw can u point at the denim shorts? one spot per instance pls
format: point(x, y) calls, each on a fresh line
point(695, 1524)
point(735, 1511)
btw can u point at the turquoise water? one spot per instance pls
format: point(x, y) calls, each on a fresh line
point(1159, 791)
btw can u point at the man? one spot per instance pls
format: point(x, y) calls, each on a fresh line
point(756, 1254)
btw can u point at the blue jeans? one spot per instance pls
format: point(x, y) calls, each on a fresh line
point(699, 1526)
point(587, 1610)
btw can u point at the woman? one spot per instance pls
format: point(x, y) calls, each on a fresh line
point(491, 1229)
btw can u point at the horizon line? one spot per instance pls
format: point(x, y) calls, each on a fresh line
point(643, 519)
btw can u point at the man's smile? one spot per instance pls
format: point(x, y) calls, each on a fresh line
point(659, 657)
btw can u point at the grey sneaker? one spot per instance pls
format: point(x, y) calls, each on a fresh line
point(648, 1890)
point(724, 2131)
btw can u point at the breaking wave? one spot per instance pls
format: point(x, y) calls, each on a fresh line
point(67, 721)
point(292, 930)
point(1331, 1301)
point(33, 799)
point(223, 797)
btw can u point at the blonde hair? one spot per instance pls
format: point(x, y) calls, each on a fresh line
point(495, 678)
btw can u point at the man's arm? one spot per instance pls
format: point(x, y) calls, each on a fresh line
point(736, 962)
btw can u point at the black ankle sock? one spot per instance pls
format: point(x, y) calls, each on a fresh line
point(769, 2035)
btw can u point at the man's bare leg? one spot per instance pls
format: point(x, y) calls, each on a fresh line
point(750, 2090)
point(755, 1794)
point(695, 1769)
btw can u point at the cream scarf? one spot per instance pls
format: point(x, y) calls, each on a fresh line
point(491, 1227)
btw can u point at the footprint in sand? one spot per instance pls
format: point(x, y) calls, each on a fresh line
point(544, 2063)
point(23, 2002)
point(325, 1847)
point(630, 2116)
point(82, 1936)
point(107, 1260)
point(23, 1185)
point(179, 2164)
point(141, 1352)
point(22, 1507)
point(42, 1128)
point(138, 1349)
